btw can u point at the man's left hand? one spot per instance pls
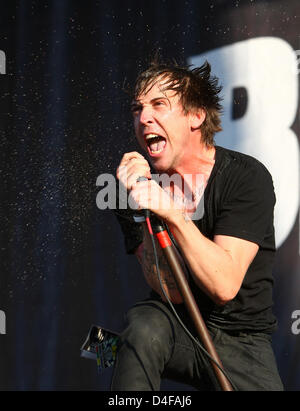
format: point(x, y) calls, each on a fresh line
point(149, 195)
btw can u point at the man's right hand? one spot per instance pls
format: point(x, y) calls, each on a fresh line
point(132, 166)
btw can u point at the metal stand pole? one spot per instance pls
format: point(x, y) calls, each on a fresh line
point(190, 303)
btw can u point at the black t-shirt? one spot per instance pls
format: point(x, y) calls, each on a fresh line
point(239, 201)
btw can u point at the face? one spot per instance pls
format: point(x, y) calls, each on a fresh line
point(162, 128)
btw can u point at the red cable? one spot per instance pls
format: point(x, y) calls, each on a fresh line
point(149, 225)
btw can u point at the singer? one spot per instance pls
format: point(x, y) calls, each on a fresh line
point(227, 250)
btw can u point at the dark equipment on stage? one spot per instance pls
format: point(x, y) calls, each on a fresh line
point(100, 345)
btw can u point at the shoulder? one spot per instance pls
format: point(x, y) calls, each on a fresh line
point(240, 165)
point(242, 176)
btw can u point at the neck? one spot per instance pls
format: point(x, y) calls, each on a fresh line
point(195, 170)
point(196, 162)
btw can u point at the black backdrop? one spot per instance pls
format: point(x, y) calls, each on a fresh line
point(65, 120)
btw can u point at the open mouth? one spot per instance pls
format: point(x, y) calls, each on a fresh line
point(155, 143)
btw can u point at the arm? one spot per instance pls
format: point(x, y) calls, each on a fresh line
point(145, 255)
point(218, 266)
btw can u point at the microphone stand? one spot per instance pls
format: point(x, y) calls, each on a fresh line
point(189, 301)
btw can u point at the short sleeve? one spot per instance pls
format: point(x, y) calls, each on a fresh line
point(247, 208)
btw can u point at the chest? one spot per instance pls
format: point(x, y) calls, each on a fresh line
point(188, 193)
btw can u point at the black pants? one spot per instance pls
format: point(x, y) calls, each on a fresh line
point(155, 346)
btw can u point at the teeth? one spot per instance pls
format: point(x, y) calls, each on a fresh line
point(150, 136)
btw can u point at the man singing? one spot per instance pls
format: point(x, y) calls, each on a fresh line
point(227, 250)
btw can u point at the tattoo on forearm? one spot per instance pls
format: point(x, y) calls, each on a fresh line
point(150, 270)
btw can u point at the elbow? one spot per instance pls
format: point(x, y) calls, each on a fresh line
point(224, 297)
point(220, 301)
point(227, 291)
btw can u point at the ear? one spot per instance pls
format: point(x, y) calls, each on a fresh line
point(197, 118)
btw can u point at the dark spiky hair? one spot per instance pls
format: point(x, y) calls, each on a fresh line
point(195, 86)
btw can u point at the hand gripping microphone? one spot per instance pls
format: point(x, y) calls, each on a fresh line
point(141, 217)
point(156, 226)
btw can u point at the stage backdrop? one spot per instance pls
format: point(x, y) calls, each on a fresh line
point(64, 120)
